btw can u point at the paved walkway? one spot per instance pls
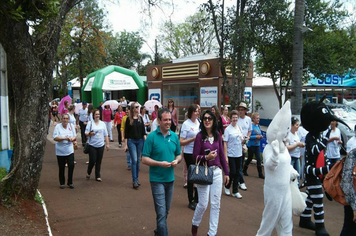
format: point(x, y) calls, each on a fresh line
point(113, 207)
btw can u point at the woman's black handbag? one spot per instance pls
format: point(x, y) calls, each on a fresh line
point(86, 148)
point(198, 174)
point(86, 145)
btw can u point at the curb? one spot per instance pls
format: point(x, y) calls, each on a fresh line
point(46, 213)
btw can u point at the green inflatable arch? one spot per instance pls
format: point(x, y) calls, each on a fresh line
point(96, 93)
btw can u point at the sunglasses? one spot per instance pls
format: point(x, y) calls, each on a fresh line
point(208, 118)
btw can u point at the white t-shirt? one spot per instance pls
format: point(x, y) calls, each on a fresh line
point(302, 134)
point(188, 131)
point(146, 120)
point(333, 148)
point(72, 119)
point(97, 140)
point(245, 124)
point(294, 138)
point(154, 125)
point(234, 137)
point(83, 115)
point(351, 144)
point(64, 148)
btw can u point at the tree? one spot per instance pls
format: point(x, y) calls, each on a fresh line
point(193, 36)
point(273, 27)
point(234, 45)
point(325, 47)
point(30, 60)
point(297, 71)
point(123, 49)
point(81, 49)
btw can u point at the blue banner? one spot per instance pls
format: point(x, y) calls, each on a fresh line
point(348, 80)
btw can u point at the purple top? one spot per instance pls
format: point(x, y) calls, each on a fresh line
point(198, 152)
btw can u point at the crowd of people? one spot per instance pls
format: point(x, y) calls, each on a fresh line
point(222, 141)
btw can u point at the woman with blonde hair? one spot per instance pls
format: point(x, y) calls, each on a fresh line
point(253, 145)
point(225, 118)
point(135, 135)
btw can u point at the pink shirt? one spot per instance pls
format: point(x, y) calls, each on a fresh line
point(225, 122)
point(107, 115)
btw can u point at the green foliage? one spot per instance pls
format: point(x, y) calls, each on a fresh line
point(195, 35)
point(32, 10)
point(39, 198)
point(3, 172)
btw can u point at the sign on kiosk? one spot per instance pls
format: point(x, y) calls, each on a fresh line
point(208, 96)
point(154, 94)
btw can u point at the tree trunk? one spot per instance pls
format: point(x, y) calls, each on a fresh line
point(297, 95)
point(30, 67)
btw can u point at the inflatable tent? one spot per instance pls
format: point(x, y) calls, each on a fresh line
point(112, 78)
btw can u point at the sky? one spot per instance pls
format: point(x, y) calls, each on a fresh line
point(127, 16)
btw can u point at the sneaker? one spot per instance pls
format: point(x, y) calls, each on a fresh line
point(71, 186)
point(243, 186)
point(237, 195)
point(129, 168)
point(135, 185)
point(191, 206)
point(62, 187)
point(87, 162)
point(185, 186)
point(227, 191)
point(120, 145)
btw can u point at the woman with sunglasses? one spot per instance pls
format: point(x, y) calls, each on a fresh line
point(174, 114)
point(208, 148)
point(188, 132)
point(135, 135)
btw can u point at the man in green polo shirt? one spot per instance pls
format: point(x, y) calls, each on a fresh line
point(161, 152)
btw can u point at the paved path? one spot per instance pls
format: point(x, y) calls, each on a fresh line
point(113, 207)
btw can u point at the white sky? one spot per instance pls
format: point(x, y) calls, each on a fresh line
point(127, 16)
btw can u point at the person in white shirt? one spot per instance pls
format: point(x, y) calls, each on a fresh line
point(351, 144)
point(245, 123)
point(65, 136)
point(154, 125)
point(98, 139)
point(83, 120)
point(302, 134)
point(293, 145)
point(124, 103)
point(188, 132)
point(334, 143)
point(233, 139)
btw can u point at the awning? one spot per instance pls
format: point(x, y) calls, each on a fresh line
point(117, 81)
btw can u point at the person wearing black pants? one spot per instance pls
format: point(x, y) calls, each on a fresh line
point(98, 140)
point(62, 160)
point(188, 132)
point(192, 192)
point(65, 136)
point(95, 158)
point(83, 120)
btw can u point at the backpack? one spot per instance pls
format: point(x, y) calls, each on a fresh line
point(332, 182)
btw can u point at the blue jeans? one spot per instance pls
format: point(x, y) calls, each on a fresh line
point(295, 162)
point(162, 197)
point(135, 149)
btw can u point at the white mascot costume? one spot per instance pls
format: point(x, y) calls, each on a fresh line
point(278, 174)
